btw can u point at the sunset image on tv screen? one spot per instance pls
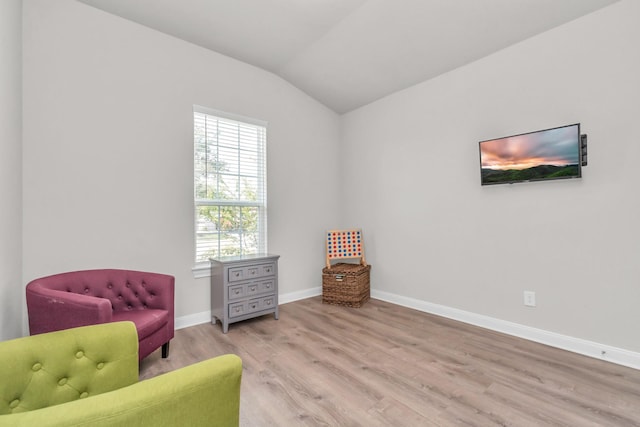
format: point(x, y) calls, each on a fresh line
point(547, 154)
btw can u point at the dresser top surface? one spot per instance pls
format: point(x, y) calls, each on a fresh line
point(238, 258)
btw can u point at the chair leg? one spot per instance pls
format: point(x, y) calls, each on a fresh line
point(165, 350)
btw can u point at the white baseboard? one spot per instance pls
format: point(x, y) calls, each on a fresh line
point(596, 350)
point(296, 296)
point(193, 319)
point(576, 345)
point(205, 316)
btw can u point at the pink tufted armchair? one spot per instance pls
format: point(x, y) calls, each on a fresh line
point(88, 297)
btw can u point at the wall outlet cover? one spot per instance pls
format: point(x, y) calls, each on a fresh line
point(529, 298)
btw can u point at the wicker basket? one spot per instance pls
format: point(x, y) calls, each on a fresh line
point(346, 284)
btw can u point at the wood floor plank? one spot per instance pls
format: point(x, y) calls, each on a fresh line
point(386, 365)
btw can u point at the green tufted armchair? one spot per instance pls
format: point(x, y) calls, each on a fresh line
point(88, 376)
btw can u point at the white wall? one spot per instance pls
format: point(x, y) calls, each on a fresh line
point(108, 150)
point(434, 234)
point(11, 289)
point(107, 169)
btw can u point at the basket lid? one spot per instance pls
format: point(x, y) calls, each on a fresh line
point(346, 268)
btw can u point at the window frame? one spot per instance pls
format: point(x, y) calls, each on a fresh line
point(201, 268)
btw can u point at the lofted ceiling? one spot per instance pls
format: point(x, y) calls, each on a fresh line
point(348, 53)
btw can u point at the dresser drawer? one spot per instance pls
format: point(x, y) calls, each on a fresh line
point(242, 290)
point(261, 287)
point(238, 309)
point(260, 304)
point(254, 305)
point(237, 274)
point(268, 269)
point(266, 286)
point(268, 302)
point(237, 292)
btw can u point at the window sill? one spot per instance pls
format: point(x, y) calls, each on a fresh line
point(201, 270)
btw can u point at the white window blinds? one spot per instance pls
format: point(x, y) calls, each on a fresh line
point(229, 185)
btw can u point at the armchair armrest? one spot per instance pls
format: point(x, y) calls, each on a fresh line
point(161, 287)
point(204, 394)
point(51, 310)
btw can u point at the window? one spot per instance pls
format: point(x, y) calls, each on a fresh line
point(229, 185)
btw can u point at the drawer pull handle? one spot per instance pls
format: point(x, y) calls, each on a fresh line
point(237, 273)
point(237, 291)
point(269, 302)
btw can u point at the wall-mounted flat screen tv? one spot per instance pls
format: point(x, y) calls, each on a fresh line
point(535, 156)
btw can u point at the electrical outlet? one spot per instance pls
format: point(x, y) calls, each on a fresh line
point(529, 298)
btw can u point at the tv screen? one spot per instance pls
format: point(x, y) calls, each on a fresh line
point(535, 156)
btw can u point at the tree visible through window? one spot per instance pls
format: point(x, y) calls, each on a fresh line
point(229, 185)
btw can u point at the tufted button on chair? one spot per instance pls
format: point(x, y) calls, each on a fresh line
point(89, 297)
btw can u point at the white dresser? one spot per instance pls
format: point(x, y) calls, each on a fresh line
point(243, 287)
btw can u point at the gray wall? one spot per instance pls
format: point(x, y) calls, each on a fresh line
point(108, 150)
point(11, 290)
point(434, 234)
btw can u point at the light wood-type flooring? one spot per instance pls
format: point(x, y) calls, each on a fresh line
point(386, 365)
